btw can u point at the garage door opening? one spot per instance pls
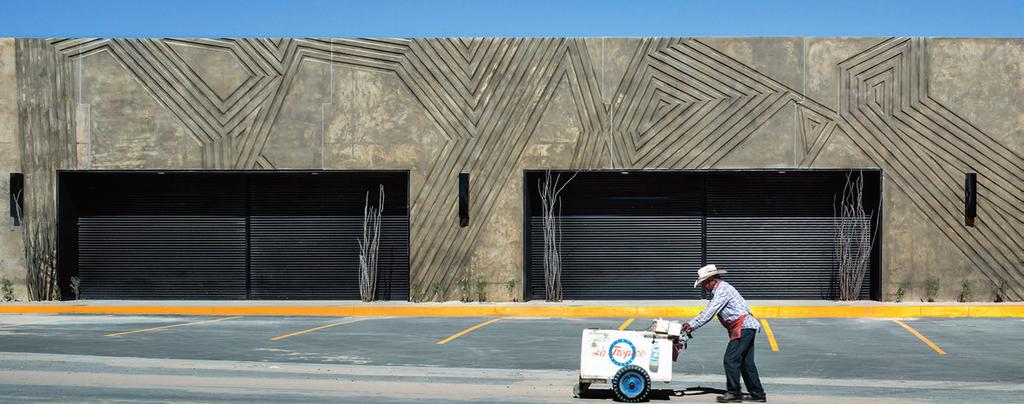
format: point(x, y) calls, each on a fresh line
point(643, 234)
point(228, 234)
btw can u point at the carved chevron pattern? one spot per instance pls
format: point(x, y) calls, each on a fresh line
point(925, 148)
point(465, 83)
point(489, 132)
point(232, 131)
point(688, 106)
point(680, 104)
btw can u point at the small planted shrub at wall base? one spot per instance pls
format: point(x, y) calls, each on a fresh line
point(480, 295)
point(464, 290)
point(965, 292)
point(901, 291)
point(6, 289)
point(511, 285)
point(1000, 292)
point(931, 289)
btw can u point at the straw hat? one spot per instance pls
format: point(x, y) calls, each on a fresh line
point(706, 272)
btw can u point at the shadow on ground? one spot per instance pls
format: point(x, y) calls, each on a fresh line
point(656, 394)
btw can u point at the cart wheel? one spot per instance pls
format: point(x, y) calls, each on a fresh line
point(631, 384)
point(580, 389)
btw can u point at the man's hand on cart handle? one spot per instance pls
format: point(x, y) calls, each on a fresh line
point(687, 328)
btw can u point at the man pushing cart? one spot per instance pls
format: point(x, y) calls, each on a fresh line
point(734, 314)
point(631, 360)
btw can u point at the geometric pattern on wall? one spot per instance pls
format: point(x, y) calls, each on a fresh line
point(232, 131)
point(925, 149)
point(684, 105)
point(488, 95)
point(680, 104)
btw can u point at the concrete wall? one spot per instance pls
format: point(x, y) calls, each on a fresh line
point(923, 110)
point(12, 262)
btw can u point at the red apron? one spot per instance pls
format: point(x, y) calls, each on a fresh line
point(734, 327)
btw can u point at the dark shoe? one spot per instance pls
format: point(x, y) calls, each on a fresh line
point(729, 397)
point(755, 399)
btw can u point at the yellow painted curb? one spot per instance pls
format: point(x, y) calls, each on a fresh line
point(884, 311)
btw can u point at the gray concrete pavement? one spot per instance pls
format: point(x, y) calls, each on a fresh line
point(72, 358)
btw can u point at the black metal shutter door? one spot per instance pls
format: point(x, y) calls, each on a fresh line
point(303, 236)
point(633, 236)
point(161, 237)
point(774, 233)
point(609, 257)
point(317, 257)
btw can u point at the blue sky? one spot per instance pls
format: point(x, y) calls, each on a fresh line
point(412, 18)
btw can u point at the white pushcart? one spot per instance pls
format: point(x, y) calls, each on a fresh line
point(629, 360)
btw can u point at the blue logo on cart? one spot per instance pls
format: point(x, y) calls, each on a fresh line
point(616, 352)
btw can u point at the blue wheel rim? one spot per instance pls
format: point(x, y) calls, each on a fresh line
point(631, 384)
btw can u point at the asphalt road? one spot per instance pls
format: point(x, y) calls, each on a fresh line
point(319, 359)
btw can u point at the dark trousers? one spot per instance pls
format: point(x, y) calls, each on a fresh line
point(739, 360)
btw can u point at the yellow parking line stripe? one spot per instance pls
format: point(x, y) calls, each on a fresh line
point(771, 335)
point(318, 328)
point(626, 324)
point(117, 334)
point(921, 337)
point(466, 331)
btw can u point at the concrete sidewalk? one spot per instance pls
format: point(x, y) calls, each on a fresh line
point(566, 309)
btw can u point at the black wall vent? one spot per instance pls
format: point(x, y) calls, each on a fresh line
point(17, 188)
point(463, 199)
point(970, 198)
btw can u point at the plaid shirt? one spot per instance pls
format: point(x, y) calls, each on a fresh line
point(727, 303)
